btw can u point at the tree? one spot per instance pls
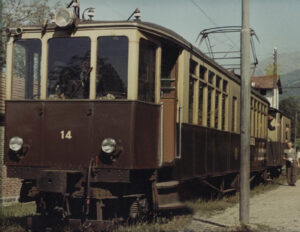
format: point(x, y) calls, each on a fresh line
point(18, 13)
point(269, 70)
point(23, 12)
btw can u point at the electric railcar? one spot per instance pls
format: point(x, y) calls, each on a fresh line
point(105, 119)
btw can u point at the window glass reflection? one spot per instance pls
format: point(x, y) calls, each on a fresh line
point(147, 54)
point(26, 69)
point(69, 68)
point(112, 67)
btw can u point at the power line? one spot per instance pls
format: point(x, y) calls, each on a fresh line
point(113, 9)
point(291, 87)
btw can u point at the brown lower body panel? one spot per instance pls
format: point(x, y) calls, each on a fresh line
point(208, 152)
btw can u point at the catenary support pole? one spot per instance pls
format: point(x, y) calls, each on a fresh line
point(1, 113)
point(245, 115)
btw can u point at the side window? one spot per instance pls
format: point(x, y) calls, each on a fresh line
point(252, 117)
point(146, 79)
point(209, 105)
point(234, 115)
point(169, 71)
point(224, 114)
point(26, 69)
point(192, 82)
point(112, 67)
point(202, 86)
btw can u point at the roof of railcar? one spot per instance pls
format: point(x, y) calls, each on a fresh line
point(153, 29)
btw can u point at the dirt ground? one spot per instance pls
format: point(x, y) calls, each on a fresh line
point(276, 210)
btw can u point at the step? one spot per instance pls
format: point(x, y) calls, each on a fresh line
point(167, 184)
point(173, 205)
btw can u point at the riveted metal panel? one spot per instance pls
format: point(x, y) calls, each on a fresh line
point(211, 151)
point(222, 147)
point(147, 136)
point(184, 167)
point(258, 154)
point(235, 153)
point(25, 120)
point(201, 151)
point(275, 154)
point(114, 120)
point(68, 134)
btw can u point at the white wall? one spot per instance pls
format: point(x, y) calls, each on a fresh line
point(273, 97)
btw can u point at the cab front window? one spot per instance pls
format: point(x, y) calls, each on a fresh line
point(112, 67)
point(69, 68)
point(26, 69)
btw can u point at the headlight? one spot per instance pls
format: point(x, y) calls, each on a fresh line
point(64, 17)
point(108, 145)
point(16, 143)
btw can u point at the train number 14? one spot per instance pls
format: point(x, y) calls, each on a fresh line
point(65, 134)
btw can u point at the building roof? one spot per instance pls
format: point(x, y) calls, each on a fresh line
point(266, 82)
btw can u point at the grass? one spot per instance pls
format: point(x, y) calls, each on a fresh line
point(160, 224)
point(208, 208)
point(249, 228)
point(19, 210)
point(14, 216)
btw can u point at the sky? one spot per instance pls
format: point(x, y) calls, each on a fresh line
point(274, 21)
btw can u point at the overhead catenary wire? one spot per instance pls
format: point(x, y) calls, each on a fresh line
point(113, 9)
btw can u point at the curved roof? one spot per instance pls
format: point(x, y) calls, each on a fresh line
point(148, 28)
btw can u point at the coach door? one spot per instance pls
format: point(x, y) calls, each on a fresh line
point(169, 72)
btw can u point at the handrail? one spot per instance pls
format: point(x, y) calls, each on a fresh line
point(178, 155)
point(161, 134)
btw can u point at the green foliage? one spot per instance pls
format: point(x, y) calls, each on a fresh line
point(21, 12)
point(18, 13)
point(14, 216)
point(19, 209)
point(159, 224)
point(269, 70)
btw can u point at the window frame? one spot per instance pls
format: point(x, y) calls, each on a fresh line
point(10, 70)
point(96, 68)
point(48, 60)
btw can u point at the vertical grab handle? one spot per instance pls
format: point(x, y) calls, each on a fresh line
point(178, 155)
point(161, 134)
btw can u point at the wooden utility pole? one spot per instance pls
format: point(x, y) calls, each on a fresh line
point(1, 113)
point(245, 115)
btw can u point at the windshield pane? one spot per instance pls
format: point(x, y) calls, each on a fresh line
point(69, 68)
point(112, 67)
point(26, 69)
